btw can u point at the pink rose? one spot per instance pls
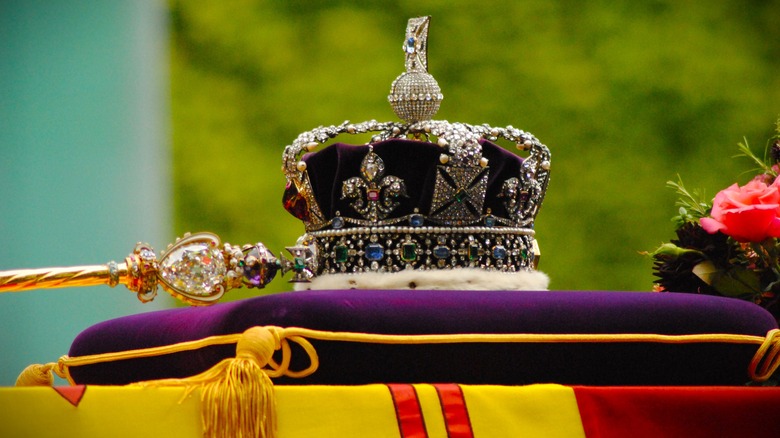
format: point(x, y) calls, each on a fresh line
point(748, 214)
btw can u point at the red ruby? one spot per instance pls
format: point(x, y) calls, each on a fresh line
point(373, 195)
point(295, 203)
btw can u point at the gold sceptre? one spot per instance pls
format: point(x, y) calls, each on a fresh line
point(50, 278)
point(196, 269)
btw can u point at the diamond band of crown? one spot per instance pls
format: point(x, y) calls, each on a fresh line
point(393, 249)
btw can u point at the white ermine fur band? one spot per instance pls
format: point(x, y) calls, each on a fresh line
point(452, 279)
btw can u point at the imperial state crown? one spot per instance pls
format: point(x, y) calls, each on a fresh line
point(422, 195)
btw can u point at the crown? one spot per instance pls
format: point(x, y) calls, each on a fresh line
point(422, 195)
point(425, 203)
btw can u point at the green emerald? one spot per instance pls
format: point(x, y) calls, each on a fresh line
point(409, 252)
point(299, 263)
point(341, 253)
point(461, 195)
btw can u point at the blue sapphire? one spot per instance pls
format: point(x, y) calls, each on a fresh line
point(416, 220)
point(337, 222)
point(499, 252)
point(409, 46)
point(375, 251)
point(441, 252)
point(490, 221)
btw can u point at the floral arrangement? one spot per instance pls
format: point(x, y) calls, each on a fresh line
point(728, 246)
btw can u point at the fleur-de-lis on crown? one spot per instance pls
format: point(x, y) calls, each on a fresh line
point(374, 193)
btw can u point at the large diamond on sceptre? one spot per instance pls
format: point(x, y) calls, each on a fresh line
point(415, 95)
point(194, 269)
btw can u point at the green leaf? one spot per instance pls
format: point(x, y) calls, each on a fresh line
point(693, 204)
point(706, 271)
point(737, 282)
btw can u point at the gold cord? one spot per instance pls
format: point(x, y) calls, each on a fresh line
point(765, 361)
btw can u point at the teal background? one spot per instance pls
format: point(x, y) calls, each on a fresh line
point(84, 160)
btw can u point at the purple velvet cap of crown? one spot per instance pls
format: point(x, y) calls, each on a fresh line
point(451, 312)
point(415, 162)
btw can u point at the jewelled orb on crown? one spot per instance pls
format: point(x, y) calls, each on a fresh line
point(423, 198)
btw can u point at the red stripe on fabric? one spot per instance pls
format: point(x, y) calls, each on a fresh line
point(641, 412)
point(407, 410)
point(73, 394)
point(456, 415)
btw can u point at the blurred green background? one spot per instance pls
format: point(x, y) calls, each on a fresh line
point(627, 94)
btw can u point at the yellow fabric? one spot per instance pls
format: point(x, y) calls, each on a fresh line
point(39, 412)
point(431, 409)
point(530, 411)
point(335, 411)
point(303, 411)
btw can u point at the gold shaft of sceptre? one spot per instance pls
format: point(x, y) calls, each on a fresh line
point(49, 278)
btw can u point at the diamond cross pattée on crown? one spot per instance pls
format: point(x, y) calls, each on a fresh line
point(374, 194)
point(459, 195)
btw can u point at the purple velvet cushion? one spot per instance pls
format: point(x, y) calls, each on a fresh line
point(445, 312)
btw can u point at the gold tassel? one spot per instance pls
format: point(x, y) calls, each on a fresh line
point(36, 375)
point(237, 395)
point(240, 402)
